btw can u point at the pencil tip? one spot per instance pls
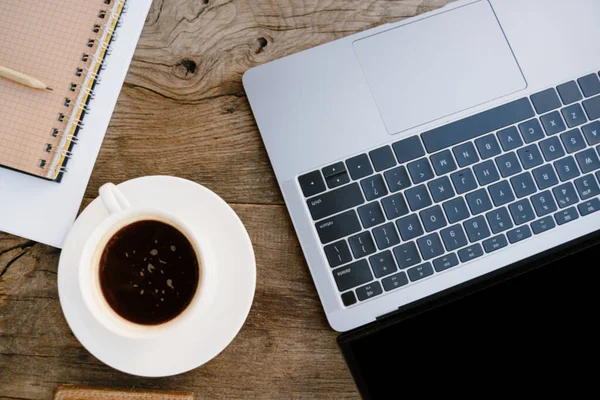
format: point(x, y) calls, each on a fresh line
point(49, 88)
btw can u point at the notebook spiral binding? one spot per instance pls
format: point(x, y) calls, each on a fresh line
point(109, 20)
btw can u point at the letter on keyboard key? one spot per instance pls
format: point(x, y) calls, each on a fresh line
point(420, 272)
point(456, 210)
point(592, 107)
point(408, 149)
point(574, 115)
point(465, 154)
point(588, 160)
point(373, 187)
point(433, 218)
point(486, 172)
point(479, 201)
point(545, 101)
point(573, 140)
point(565, 216)
point(359, 166)
point(454, 237)
point(501, 193)
point(368, 291)
point(530, 156)
point(518, 234)
point(508, 164)
point(566, 168)
point(407, 255)
point(553, 123)
point(488, 146)
point(590, 206)
point(531, 130)
point(409, 227)
point(552, 149)
point(338, 226)
point(464, 181)
point(499, 220)
point(352, 275)
point(565, 195)
point(362, 244)
point(394, 281)
point(592, 133)
point(545, 176)
point(495, 243)
point(441, 189)
point(470, 253)
point(477, 229)
point(311, 183)
point(587, 187)
point(397, 179)
point(445, 262)
point(510, 138)
point(386, 236)
point(430, 246)
point(544, 203)
point(383, 264)
point(338, 253)
point(337, 200)
point(542, 225)
point(443, 162)
point(523, 184)
point(394, 206)
point(521, 211)
point(420, 170)
point(418, 197)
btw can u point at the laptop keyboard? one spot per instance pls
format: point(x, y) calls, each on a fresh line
point(401, 213)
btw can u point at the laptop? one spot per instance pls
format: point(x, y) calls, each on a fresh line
point(423, 156)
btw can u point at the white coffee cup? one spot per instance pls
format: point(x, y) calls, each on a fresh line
point(121, 214)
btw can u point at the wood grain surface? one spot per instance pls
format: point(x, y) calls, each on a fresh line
point(183, 112)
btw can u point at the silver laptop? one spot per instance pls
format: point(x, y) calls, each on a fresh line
point(421, 155)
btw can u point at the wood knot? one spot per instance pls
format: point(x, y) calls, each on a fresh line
point(189, 65)
point(262, 43)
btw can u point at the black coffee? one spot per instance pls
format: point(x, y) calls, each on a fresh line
point(149, 272)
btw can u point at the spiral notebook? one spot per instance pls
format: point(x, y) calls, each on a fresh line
point(82, 49)
point(62, 43)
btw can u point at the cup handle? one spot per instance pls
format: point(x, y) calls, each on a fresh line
point(114, 200)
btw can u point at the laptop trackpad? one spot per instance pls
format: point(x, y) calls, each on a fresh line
point(440, 65)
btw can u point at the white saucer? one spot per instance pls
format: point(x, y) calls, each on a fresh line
point(233, 254)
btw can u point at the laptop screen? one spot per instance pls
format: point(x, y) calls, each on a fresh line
point(538, 328)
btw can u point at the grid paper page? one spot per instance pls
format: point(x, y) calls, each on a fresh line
point(45, 39)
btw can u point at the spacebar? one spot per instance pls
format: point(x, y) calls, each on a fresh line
point(477, 125)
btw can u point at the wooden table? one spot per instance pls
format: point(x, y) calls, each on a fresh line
point(183, 112)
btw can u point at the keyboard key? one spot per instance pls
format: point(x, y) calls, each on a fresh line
point(408, 149)
point(566, 168)
point(477, 125)
point(587, 187)
point(394, 206)
point(337, 253)
point(335, 201)
point(590, 85)
point(359, 166)
point(501, 193)
point(569, 92)
point(383, 264)
point(488, 146)
point(531, 131)
point(544, 203)
point(456, 210)
point(420, 272)
point(369, 291)
point(337, 180)
point(311, 183)
point(565, 195)
point(552, 149)
point(338, 226)
point(486, 172)
point(521, 212)
point(370, 215)
point(574, 115)
point(362, 244)
point(553, 123)
point(446, 262)
point(523, 184)
point(352, 275)
point(510, 138)
point(382, 158)
point(518, 234)
point(348, 298)
point(592, 107)
point(441, 189)
point(477, 229)
point(386, 236)
point(464, 181)
point(592, 133)
point(545, 176)
point(465, 154)
point(479, 201)
point(409, 227)
point(508, 164)
point(566, 216)
point(530, 156)
point(430, 246)
point(407, 255)
point(470, 253)
point(590, 206)
point(588, 160)
point(334, 169)
point(573, 140)
point(420, 170)
point(499, 220)
point(545, 101)
point(495, 243)
point(418, 197)
point(397, 179)
point(443, 162)
point(394, 281)
point(543, 225)
point(454, 237)
point(373, 187)
point(433, 218)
